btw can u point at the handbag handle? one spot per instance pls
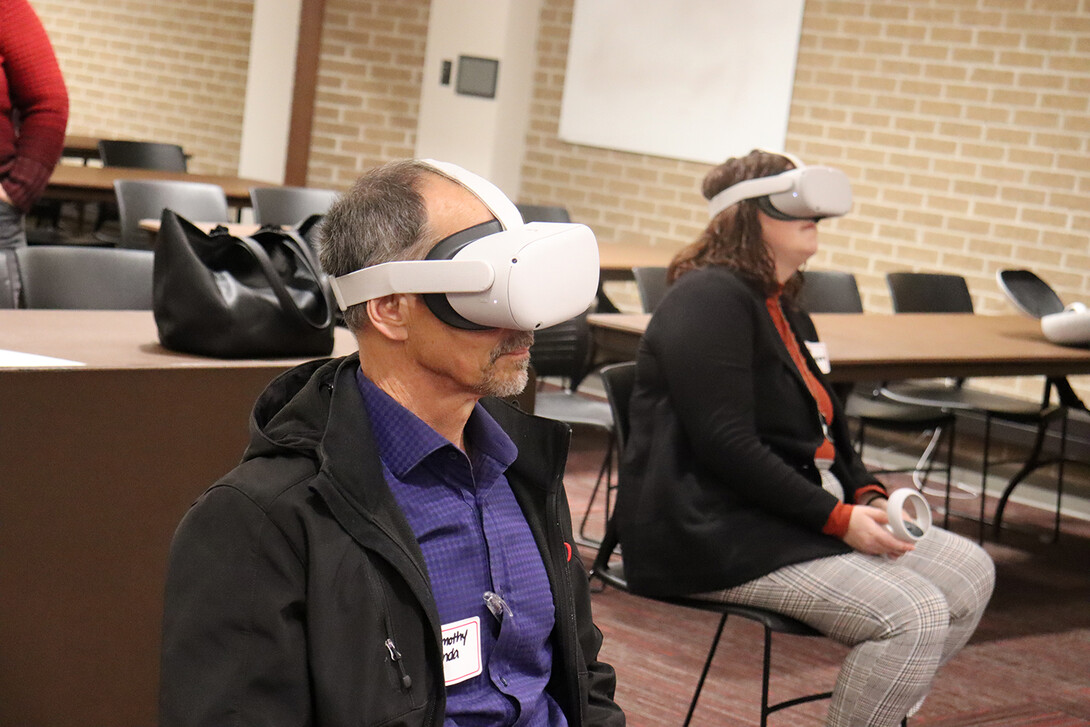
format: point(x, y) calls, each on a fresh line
point(257, 250)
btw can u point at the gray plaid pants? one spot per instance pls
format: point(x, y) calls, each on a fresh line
point(903, 618)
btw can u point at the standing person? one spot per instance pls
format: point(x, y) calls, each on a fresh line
point(394, 550)
point(739, 481)
point(33, 117)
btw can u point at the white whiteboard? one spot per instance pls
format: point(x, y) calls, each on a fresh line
point(700, 80)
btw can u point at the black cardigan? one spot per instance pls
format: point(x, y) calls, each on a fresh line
point(718, 482)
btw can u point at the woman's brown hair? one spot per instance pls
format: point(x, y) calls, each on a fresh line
point(733, 238)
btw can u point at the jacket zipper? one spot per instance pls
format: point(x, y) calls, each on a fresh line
point(395, 656)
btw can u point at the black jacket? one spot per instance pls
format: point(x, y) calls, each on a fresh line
point(297, 593)
point(718, 482)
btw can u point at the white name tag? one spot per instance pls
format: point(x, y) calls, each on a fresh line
point(820, 355)
point(461, 650)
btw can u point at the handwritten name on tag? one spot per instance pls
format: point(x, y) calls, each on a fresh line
point(461, 650)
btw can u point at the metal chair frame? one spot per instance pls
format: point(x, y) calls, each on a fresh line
point(619, 380)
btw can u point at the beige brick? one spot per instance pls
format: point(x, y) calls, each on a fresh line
point(1043, 217)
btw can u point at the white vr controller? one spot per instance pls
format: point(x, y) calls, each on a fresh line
point(909, 530)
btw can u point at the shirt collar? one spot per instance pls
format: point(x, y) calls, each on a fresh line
point(404, 440)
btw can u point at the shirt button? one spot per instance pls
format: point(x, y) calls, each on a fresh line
point(503, 681)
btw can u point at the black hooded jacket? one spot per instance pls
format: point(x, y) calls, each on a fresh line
point(296, 591)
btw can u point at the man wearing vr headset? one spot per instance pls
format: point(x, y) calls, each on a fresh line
point(395, 547)
point(739, 480)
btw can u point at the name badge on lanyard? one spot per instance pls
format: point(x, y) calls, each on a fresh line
point(461, 650)
point(820, 354)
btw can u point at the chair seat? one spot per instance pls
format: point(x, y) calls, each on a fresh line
point(969, 399)
point(613, 575)
point(573, 408)
point(891, 413)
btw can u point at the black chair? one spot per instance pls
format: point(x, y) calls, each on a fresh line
point(563, 351)
point(1036, 298)
point(136, 155)
point(289, 205)
point(619, 380)
point(83, 277)
point(142, 155)
point(543, 213)
point(146, 199)
point(650, 285)
point(830, 291)
point(942, 293)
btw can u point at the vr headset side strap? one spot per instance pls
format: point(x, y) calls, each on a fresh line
point(749, 189)
point(412, 276)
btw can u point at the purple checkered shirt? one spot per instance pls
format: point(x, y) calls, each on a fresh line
point(475, 540)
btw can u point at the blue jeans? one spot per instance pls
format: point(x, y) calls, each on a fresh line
point(12, 235)
point(12, 227)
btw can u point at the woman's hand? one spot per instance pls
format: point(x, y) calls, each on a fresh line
point(867, 533)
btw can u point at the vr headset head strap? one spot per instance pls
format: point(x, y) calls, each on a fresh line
point(502, 208)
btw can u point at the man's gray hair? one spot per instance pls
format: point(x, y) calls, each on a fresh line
point(381, 218)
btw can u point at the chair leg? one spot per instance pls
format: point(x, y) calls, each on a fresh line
point(1033, 462)
point(1060, 478)
point(707, 667)
point(949, 474)
point(766, 670)
point(984, 475)
point(605, 474)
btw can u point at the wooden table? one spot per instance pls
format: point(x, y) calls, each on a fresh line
point(80, 146)
point(868, 347)
point(238, 229)
point(70, 182)
point(98, 463)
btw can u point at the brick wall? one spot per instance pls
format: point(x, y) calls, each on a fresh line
point(160, 71)
point(963, 124)
point(368, 95)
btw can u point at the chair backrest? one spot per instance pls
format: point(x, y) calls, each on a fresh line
point(618, 380)
point(146, 199)
point(563, 350)
point(1029, 293)
point(78, 277)
point(929, 293)
point(829, 291)
point(543, 213)
point(289, 205)
point(142, 155)
point(650, 285)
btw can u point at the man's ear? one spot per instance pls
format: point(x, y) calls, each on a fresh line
point(390, 315)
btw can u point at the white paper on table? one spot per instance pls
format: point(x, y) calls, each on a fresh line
point(21, 360)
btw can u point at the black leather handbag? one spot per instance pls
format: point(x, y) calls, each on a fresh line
point(262, 296)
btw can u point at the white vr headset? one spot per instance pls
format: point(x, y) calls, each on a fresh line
point(804, 193)
point(499, 274)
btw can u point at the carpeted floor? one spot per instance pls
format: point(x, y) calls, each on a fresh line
point(1027, 664)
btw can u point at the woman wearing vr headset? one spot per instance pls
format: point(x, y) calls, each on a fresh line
point(740, 481)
